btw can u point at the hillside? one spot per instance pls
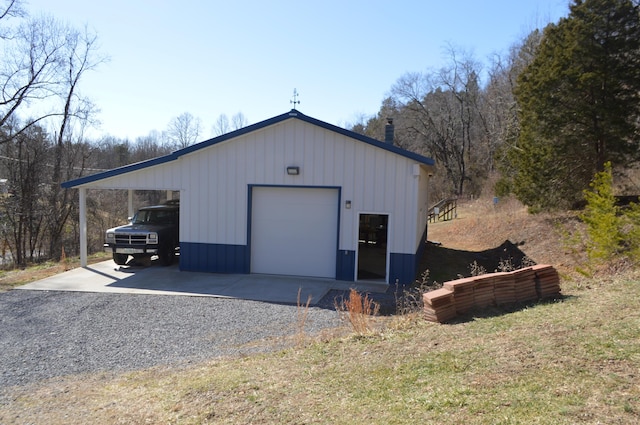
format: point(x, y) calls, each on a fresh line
point(500, 236)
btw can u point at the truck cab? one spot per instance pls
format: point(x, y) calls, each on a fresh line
point(153, 230)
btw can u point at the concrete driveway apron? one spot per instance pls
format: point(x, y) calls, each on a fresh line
point(109, 277)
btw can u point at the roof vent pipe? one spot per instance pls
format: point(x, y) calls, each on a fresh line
point(388, 131)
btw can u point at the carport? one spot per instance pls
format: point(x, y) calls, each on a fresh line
point(83, 215)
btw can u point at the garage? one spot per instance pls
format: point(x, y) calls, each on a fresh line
point(290, 195)
point(294, 231)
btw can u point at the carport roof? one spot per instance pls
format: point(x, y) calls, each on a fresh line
point(293, 114)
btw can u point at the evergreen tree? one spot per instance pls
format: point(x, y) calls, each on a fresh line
point(613, 231)
point(602, 217)
point(579, 103)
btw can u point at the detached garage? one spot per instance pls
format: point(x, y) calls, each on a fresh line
point(291, 195)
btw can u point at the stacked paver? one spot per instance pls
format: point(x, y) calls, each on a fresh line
point(505, 288)
point(439, 306)
point(525, 285)
point(547, 281)
point(462, 295)
point(483, 293)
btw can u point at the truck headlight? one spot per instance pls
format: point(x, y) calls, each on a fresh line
point(111, 237)
point(153, 238)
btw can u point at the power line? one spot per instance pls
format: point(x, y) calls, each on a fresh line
point(49, 165)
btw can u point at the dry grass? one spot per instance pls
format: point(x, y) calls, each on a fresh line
point(545, 238)
point(565, 362)
point(302, 313)
point(358, 311)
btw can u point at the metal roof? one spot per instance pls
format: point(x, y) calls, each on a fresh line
point(293, 114)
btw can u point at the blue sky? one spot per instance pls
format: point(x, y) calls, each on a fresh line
point(213, 57)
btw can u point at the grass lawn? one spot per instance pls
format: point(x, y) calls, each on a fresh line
point(565, 362)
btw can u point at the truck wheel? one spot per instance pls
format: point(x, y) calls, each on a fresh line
point(120, 259)
point(166, 255)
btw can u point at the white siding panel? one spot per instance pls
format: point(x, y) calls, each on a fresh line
point(318, 145)
point(402, 181)
point(257, 169)
point(308, 158)
point(337, 161)
point(160, 177)
point(298, 149)
point(383, 163)
point(349, 231)
point(423, 203)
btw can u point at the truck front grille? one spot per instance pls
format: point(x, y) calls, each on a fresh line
point(131, 239)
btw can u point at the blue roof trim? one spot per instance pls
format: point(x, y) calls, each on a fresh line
point(117, 171)
point(262, 124)
point(377, 143)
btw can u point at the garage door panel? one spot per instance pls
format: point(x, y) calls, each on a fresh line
point(294, 231)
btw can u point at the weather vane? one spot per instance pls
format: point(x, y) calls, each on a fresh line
point(295, 99)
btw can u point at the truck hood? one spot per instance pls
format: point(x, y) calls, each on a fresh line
point(138, 228)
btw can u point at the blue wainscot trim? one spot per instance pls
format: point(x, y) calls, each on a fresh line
point(346, 265)
point(404, 267)
point(214, 258)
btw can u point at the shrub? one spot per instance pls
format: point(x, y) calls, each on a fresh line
point(612, 231)
point(409, 298)
point(631, 231)
point(602, 218)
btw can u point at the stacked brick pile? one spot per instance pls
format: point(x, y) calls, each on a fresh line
point(525, 285)
point(483, 292)
point(547, 281)
point(505, 288)
point(439, 306)
point(462, 295)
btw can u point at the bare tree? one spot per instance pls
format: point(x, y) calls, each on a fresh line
point(239, 121)
point(78, 56)
point(42, 65)
point(9, 9)
point(500, 106)
point(221, 126)
point(31, 71)
point(152, 145)
point(23, 212)
point(441, 115)
point(184, 130)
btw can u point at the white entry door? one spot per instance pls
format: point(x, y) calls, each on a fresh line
point(294, 231)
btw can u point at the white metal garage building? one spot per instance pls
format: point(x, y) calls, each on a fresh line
point(290, 195)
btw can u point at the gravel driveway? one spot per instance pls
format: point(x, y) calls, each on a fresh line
point(50, 334)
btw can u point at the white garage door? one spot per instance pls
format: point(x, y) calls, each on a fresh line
point(294, 231)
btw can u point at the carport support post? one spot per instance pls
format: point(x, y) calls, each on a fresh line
point(130, 203)
point(83, 227)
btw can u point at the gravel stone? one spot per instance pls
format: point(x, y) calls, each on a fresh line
point(48, 334)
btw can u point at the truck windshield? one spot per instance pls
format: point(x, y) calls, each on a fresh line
point(154, 217)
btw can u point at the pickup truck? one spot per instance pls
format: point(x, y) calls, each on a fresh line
point(153, 230)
